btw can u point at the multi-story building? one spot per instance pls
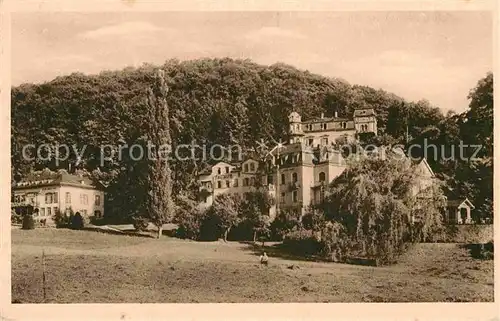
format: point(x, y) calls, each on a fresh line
point(232, 178)
point(296, 173)
point(325, 131)
point(43, 194)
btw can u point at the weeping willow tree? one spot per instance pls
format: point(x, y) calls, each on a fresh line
point(378, 202)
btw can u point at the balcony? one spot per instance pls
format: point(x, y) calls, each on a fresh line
point(321, 184)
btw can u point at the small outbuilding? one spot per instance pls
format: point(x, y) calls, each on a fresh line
point(459, 211)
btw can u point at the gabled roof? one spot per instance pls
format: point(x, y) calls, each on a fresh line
point(459, 202)
point(423, 163)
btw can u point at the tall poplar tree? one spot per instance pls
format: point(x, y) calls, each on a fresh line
point(159, 197)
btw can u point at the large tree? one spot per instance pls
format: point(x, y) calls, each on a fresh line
point(375, 201)
point(159, 182)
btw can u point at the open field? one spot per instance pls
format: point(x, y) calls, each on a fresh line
point(85, 266)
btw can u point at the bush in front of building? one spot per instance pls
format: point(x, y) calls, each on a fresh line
point(61, 220)
point(76, 221)
point(284, 223)
point(302, 242)
point(15, 218)
point(140, 223)
point(28, 222)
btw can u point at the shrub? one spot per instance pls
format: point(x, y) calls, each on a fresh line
point(15, 218)
point(61, 220)
point(189, 218)
point(302, 242)
point(77, 222)
point(140, 223)
point(334, 241)
point(28, 222)
point(189, 226)
point(284, 223)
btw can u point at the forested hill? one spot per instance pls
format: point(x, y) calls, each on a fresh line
point(222, 101)
point(218, 100)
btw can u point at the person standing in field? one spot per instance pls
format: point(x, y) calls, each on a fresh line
point(264, 259)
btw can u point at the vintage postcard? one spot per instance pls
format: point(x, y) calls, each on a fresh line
point(195, 160)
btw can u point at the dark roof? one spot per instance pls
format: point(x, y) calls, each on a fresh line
point(45, 178)
point(325, 119)
point(458, 202)
point(364, 112)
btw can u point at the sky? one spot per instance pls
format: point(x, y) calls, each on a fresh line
point(438, 56)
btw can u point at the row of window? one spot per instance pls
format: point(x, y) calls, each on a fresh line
point(246, 168)
point(49, 211)
point(84, 198)
point(295, 197)
point(324, 126)
point(45, 212)
point(53, 198)
point(251, 181)
point(247, 181)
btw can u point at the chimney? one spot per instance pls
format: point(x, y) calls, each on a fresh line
point(322, 115)
point(336, 115)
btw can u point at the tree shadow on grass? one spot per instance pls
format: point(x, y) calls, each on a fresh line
point(282, 251)
point(279, 251)
point(117, 232)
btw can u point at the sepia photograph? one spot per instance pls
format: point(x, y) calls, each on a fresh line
point(251, 157)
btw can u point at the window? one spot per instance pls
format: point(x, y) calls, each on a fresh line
point(295, 196)
point(282, 200)
point(56, 197)
point(228, 184)
point(245, 168)
point(84, 199)
point(49, 211)
point(235, 182)
point(252, 181)
point(324, 126)
point(324, 141)
point(42, 212)
point(310, 141)
point(322, 177)
point(218, 171)
point(252, 167)
point(97, 214)
point(245, 181)
point(219, 184)
point(49, 198)
point(227, 169)
point(98, 200)
point(55, 210)
point(344, 125)
point(270, 179)
point(68, 198)
point(282, 179)
point(294, 178)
